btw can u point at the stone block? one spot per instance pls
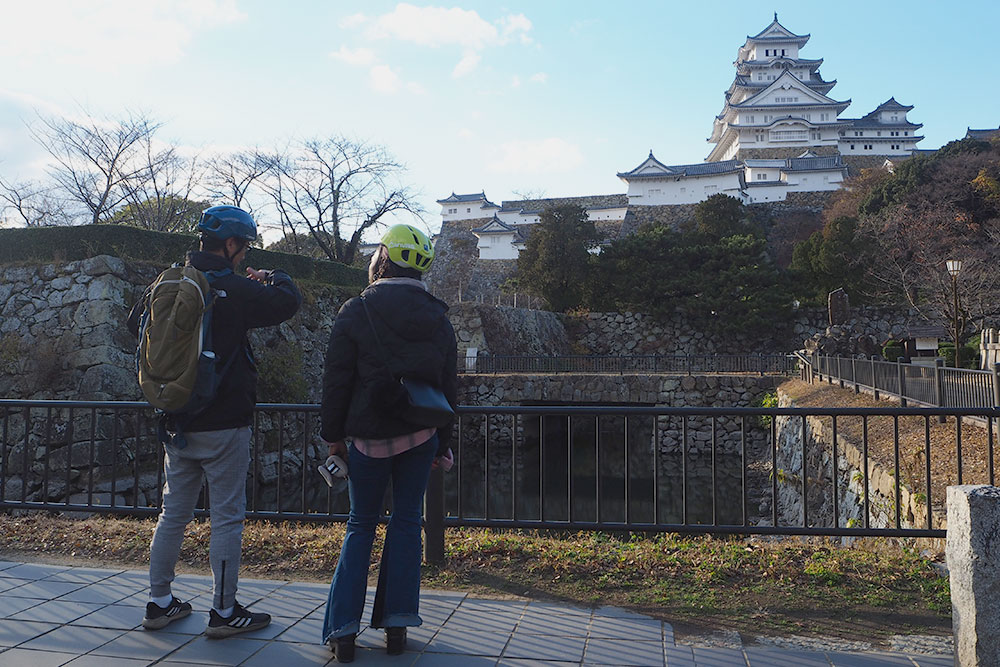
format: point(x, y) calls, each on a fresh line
point(102, 265)
point(973, 557)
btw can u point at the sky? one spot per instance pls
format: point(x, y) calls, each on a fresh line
point(548, 98)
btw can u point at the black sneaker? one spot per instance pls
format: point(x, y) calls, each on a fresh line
point(241, 621)
point(157, 617)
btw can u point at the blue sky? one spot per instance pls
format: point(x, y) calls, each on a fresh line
point(550, 97)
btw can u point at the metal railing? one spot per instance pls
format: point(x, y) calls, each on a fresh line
point(677, 364)
point(931, 385)
point(666, 469)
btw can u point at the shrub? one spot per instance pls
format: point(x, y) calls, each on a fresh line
point(48, 244)
point(893, 350)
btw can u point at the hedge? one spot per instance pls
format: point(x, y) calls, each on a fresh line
point(59, 244)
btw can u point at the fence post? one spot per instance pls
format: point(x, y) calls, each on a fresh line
point(875, 376)
point(996, 385)
point(939, 387)
point(854, 374)
point(840, 372)
point(434, 519)
point(901, 378)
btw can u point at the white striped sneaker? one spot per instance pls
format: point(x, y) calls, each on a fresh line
point(240, 621)
point(158, 617)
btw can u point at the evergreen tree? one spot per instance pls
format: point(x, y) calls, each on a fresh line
point(556, 258)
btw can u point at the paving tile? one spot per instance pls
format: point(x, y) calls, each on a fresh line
point(776, 657)
point(55, 611)
point(205, 651)
point(301, 590)
point(933, 660)
point(535, 607)
point(72, 639)
point(84, 575)
point(289, 607)
point(638, 629)
point(290, 655)
point(441, 660)
point(462, 642)
point(679, 656)
point(118, 617)
point(304, 631)
point(143, 644)
point(271, 630)
point(570, 625)
point(624, 652)
point(618, 612)
point(43, 589)
point(5, 564)
point(13, 633)
point(99, 592)
point(370, 657)
point(12, 606)
point(493, 606)
point(868, 659)
point(518, 662)
point(30, 571)
point(91, 660)
point(462, 621)
point(17, 657)
point(710, 656)
point(545, 647)
point(7, 583)
point(137, 600)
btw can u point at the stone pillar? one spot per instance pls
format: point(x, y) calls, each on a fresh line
point(973, 554)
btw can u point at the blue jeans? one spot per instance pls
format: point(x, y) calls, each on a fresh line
point(401, 556)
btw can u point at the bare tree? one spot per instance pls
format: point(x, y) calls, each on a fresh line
point(914, 242)
point(157, 190)
point(230, 178)
point(335, 189)
point(31, 204)
point(94, 157)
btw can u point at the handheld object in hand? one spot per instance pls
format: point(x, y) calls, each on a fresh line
point(334, 471)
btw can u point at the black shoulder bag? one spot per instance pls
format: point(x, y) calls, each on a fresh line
point(418, 402)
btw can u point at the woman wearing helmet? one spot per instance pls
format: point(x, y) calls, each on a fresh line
point(394, 329)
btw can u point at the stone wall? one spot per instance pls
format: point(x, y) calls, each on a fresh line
point(782, 153)
point(850, 480)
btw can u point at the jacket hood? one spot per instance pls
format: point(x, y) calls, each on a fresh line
point(410, 311)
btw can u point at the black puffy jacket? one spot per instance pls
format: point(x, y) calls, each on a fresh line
point(418, 341)
point(247, 304)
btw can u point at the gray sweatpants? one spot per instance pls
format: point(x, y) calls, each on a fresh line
point(222, 458)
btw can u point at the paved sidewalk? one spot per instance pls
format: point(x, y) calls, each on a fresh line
point(85, 617)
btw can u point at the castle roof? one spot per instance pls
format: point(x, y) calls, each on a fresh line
point(653, 168)
point(983, 135)
point(774, 33)
point(892, 105)
point(496, 226)
point(787, 82)
point(453, 198)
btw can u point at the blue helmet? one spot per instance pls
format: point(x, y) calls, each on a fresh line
point(223, 222)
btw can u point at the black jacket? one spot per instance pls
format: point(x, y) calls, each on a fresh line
point(247, 304)
point(419, 343)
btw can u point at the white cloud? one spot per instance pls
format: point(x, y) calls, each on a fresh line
point(466, 133)
point(539, 77)
point(384, 80)
point(445, 27)
point(353, 21)
point(551, 155)
point(416, 88)
point(111, 34)
point(515, 81)
point(359, 56)
point(466, 65)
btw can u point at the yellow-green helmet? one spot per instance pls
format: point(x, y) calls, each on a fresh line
point(408, 247)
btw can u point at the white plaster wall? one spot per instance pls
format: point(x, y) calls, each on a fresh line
point(466, 211)
point(497, 246)
point(689, 190)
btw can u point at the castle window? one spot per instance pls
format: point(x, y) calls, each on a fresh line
point(879, 134)
point(859, 134)
point(852, 147)
point(868, 147)
point(761, 177)
point(895, 147)
point(452, 210)
point(789, 135)
point(468, 210)
point(782, 52)
point(906, 134)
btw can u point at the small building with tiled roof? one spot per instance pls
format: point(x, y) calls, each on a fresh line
point(498, 240)
point(982, 135)
point(467, 207)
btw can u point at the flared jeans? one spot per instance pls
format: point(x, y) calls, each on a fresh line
point(401, 556)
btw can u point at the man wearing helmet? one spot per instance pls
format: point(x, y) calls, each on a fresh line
point(395, 329)
point(218, 437)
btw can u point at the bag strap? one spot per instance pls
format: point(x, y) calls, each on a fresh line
point(378, 341)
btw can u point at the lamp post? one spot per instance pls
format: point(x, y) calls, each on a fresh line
point(954, 268)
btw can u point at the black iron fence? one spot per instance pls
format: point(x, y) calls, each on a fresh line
point(688, 470)
point(679, 364)
point(930, 385)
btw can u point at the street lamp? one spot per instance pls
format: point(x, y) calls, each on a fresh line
point(954, 268)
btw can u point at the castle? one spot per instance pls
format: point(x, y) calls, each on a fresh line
point(778, 133)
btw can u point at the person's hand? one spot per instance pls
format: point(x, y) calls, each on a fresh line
point(260, 275)
point(338, 448)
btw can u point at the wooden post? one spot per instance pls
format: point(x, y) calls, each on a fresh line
point(875, 376)
point(854, 374)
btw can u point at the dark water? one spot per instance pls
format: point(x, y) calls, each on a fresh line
point(590, 470)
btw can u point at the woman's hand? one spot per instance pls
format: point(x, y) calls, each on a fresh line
point(338, 448)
